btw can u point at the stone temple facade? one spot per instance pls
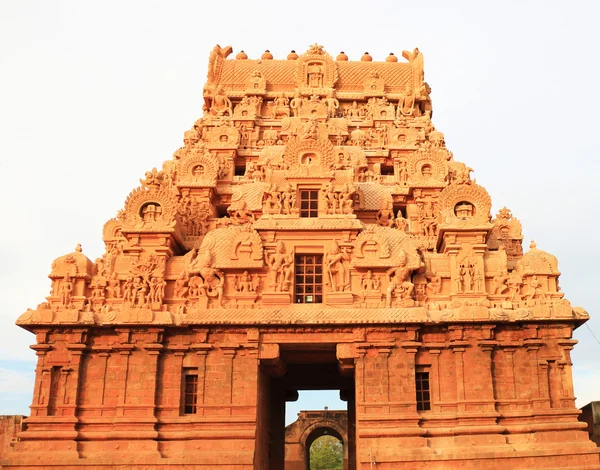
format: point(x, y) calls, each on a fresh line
point(314, 232)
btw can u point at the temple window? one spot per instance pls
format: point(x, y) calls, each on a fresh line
point(54, 390)
point(309, 279)
point(423, 389)
point(190, 392)
point(309, 203)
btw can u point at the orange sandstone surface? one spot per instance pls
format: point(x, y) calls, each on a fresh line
point(314, 232)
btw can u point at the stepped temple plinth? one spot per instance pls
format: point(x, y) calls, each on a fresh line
point(313, 232)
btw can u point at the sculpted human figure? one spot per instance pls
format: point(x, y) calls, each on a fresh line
point(406, 104)
point(369, 282)
point(128, 290)
point(213, 280)
point(353, 112)
point(346, 201)
point(272, 200)
point(221, 104)
point(399, 283)
point(434, 284)
point(337, 265)
point(400, 222)
point(66, 289)
point(244, 283)
point(330, 197)
point(181, 285)
point(114, 286)
point(332, 105)
point(514, 282)
point(536, 289)
point(288, 198)
point(385, 215)
point(280, 272)
point(296, 104)
point(499, 283)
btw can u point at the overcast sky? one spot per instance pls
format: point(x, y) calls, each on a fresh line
point(93, 94)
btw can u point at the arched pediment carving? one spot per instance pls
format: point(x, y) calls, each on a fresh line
point(200, 170)
point(310, 152)
point(223, 137)
point(378, 246)
point(246, 246)
point(465, 205)
point(248, 196)
point(233, 247)
point(75, 264)
point(149, 211)
point(112, 231)
point(427, 167)
point(539, 262)
point(370, 246)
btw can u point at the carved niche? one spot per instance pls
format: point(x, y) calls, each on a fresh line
point(465, 205)
point(507, 232)
point(149, 211)
point(316, 71)
point(200, 170)
point(256, 84)
point(374, 85)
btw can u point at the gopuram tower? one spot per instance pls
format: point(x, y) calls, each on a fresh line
point(314, 232)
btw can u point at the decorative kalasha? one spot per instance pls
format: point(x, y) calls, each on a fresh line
point(313, 232)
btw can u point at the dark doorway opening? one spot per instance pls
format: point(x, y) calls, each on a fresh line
point(301, 367)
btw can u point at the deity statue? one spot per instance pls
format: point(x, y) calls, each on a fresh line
point(181, 285)
point(288, 199)
point(514, 283)
point(337, 265)
point(272, 200)
point(114, 286)
point(332, 105)
point(221, 104)
point(400, 222)
point(309, 128)
point(353, 112)
point(330, 197)
point(434, 284)
point(212, 281)
point(369, 282)
point(66, 290)
point(346, 200)
point(385, 215)
point(499, 283)
point(535, 290)
point(406, 104)
point(296, 104)
point(399, 283)
point(280, 268)
point(244, 283)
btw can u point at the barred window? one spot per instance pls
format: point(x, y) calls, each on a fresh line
point(309, 203)
point(309, 279)
point(423, 391)
point(190, 392)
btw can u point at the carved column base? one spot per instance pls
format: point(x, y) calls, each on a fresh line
point(372, 299)
point(244, 299)
point(276, 298)
point(339, 298)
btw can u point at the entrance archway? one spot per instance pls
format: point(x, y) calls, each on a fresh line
point(310, 425)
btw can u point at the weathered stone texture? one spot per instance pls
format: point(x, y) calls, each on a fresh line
point(314, 232)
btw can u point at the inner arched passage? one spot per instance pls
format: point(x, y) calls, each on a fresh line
point(321, 454)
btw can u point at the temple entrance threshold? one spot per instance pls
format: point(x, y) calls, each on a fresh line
point(302, 367)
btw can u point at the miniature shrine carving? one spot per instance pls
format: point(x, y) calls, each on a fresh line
point(313, 232)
